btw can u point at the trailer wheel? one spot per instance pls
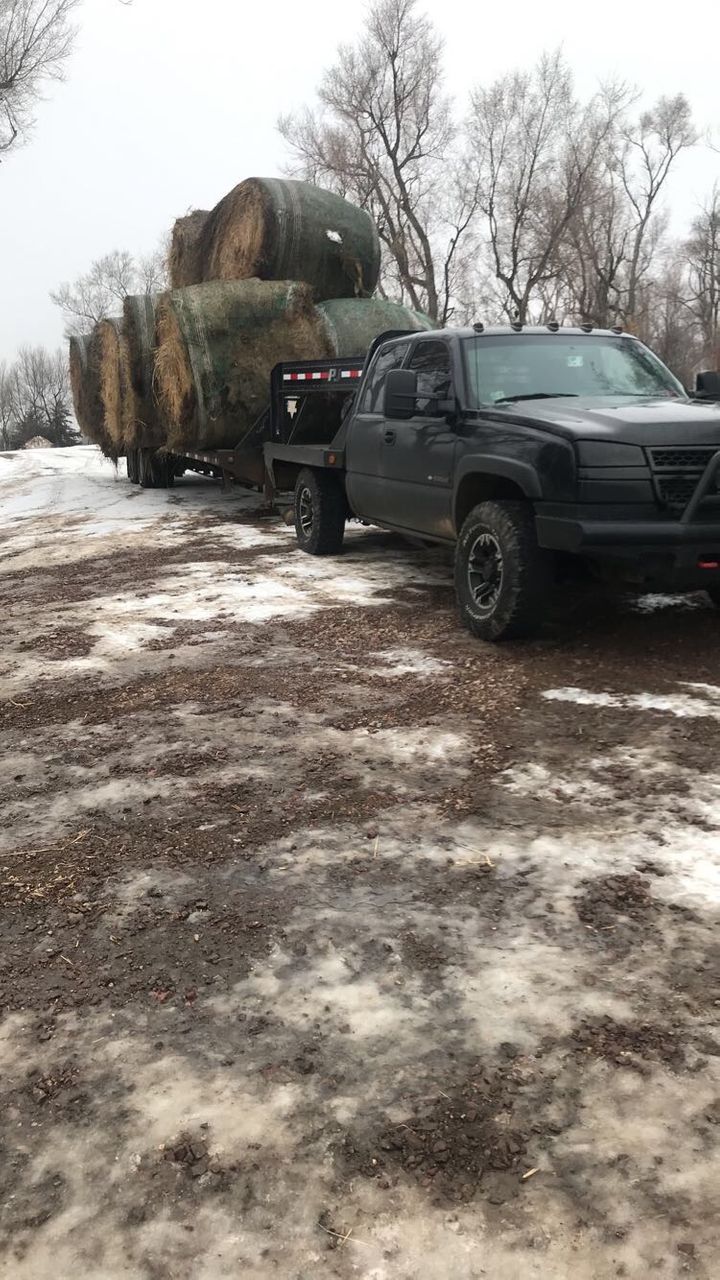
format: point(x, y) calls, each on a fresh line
point(320, 513)
point(146, 472)
point(502, 577)
point(154, 472)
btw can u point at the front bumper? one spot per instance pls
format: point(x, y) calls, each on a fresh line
point(680, 549)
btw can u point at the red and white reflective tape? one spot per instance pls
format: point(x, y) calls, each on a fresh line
point(320, 375)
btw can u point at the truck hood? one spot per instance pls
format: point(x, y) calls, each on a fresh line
point(641, 422)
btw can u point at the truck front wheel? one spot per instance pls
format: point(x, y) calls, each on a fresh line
point(320, 513)
point(502, 576)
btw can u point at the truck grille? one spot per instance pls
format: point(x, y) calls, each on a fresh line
point(676, 472)
point(680, 459)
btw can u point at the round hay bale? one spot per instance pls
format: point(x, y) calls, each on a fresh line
point(116, 392)
point(186, 249)
point(280, 229)
point(85, 386)
point(82, 392)
point(217, 345)
point(139, 314)
point(351, 325)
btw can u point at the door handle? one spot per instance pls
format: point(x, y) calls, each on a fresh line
point(389, 436)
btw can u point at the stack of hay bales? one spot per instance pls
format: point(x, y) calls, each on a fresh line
point(278, 270)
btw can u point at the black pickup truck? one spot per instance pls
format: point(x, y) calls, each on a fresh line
point(522, 446)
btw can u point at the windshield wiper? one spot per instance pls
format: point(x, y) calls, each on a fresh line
point(539, 395)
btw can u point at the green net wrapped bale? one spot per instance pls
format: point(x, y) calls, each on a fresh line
point(352, 324)
point(217, 345)
point(185, 262)
point(147, 427)
point(85, 386)
point(278, 229)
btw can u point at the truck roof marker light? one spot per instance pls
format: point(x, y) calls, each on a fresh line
point(617, 328)
point(516, 326)
point(586, 328)
point(553, 325)
point(479, 327)
point(703, 563)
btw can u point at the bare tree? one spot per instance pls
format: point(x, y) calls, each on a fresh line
point(7, 405)
point(536, 150)
point(101, 290)
point(647, 154)
point(41, 380)
point(35, 398)
point(615, 246)
point(384, 136)
point(593, 258)
point(671, 329)
point(36, 38)
point(701, 252)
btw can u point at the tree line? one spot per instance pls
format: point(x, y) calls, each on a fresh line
point(535, 204)
point(35, 399)
point(531, 204)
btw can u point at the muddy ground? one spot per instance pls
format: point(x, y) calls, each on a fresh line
point(336, 943)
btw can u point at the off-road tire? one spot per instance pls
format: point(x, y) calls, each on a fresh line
point(502, 577)
point(320, 513)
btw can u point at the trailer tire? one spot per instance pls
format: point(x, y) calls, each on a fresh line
point(502, 577)
point(320, 513)
point(154, 472)
point(146, 471)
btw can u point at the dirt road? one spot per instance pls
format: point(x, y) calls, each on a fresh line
point(336, 943)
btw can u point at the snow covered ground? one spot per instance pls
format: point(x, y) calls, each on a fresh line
point(336, 943)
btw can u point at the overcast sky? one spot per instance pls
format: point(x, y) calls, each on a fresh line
point(169, 103)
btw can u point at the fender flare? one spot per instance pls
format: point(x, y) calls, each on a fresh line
point(522, 473)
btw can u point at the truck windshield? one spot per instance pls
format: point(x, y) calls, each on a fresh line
point(514, 367)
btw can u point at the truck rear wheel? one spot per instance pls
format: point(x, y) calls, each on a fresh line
point(502, 576)
point(320, 513)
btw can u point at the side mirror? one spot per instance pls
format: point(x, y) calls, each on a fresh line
point(401, 394)
point(707, 385)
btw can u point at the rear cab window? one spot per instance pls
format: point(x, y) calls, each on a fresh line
point(432, 361)
point(387, 358)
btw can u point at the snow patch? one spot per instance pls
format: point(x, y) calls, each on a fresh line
point(675, 704)
point(654, 602)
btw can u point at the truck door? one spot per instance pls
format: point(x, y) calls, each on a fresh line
point(364, 453)
point(418, 453)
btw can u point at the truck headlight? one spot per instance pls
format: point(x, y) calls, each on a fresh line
point(602, 453)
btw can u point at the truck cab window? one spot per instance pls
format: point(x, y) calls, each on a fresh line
point(432, 362)
point(387, 358)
